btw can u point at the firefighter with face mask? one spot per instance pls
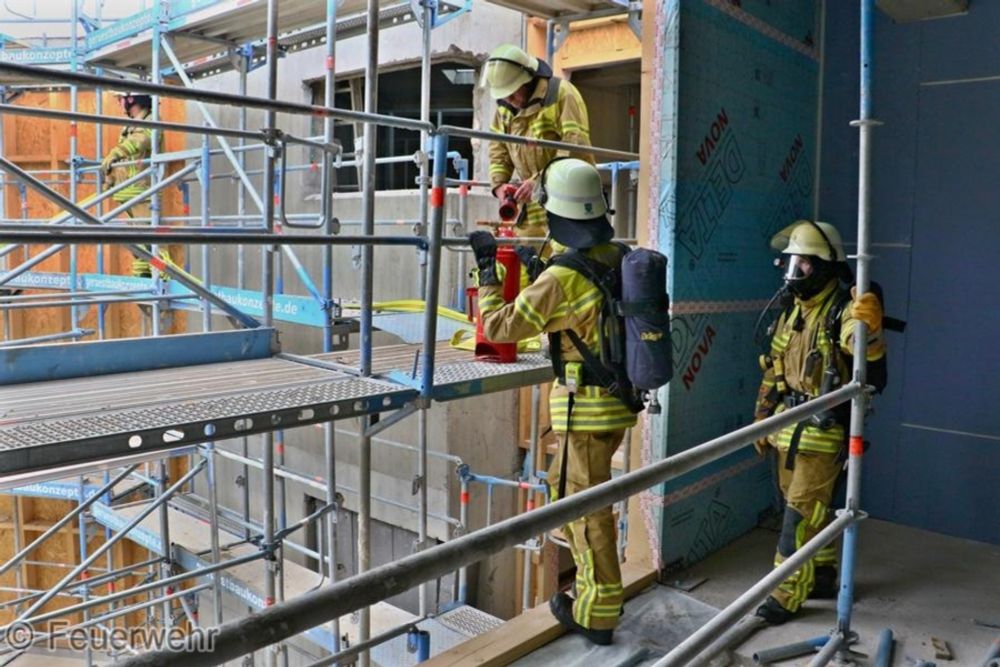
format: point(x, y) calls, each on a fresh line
point(531, 103)
point(811, 345)
point(135, 144)
point(589, 421)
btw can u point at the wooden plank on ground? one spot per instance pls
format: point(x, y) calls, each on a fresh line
point(525, 633)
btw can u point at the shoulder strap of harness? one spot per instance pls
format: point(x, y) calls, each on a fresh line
point(552, 94)
point(605, 279)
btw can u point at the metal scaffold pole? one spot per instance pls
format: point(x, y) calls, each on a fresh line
point(154, 201)
point(74, 317)
point(267, 294)
point(367, 297)
point(426, 24)
point(866, 124)
point(326, 212)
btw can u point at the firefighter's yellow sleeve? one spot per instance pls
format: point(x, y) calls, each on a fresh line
point(574, 124)
point(501, 164)
point(540, 307)
point(767, 396)
point(136, 145)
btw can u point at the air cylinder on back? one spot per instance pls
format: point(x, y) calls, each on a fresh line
point(645, 307)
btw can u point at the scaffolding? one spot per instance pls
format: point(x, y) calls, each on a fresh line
point(238, 383)
point(223, 370)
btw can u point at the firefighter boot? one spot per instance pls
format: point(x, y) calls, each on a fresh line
point(826, 587)
point(561, 606)
point(773, 613)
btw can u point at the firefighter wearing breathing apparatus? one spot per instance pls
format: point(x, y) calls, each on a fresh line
point(531, 103)
point(589, 420)
point(811, 344)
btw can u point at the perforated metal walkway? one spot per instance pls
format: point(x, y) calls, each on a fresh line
point(67, 422)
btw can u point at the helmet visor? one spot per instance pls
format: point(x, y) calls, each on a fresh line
point(798, 267)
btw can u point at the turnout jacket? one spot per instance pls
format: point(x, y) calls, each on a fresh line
point(800, 353)
point(560, 299)
point(553, 115)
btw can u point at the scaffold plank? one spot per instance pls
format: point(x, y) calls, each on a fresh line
point(68, 422)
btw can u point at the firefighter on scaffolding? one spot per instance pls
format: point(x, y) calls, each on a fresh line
point(531, 103)
point(125, 160)
point(811, 344)
point(588, 419)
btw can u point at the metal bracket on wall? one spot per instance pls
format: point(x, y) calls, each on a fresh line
point(635, 18)
point(560, 33)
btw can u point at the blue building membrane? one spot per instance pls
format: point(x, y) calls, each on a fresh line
point(737, 103)
point(935, 432)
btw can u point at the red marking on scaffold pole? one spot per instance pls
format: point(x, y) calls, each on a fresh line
point(111, 587)
point(313, 166)
point(72, 130)
point(268, 602)
point(530, 505)
point(857, 445)
point(330, 62)
point(464, 498)
point(85, 575)
point(279, 447)
point(158, 264)
point(187, 210)
point(631, 110)
point(437, 197)
point(463, 190)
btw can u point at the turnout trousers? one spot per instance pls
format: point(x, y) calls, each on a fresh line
point(592, 538)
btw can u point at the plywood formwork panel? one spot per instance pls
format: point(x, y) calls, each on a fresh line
point(37, 143)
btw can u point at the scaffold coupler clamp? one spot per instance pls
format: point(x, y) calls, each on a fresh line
point(859, 515)
point(274, 139)
point(463, 472)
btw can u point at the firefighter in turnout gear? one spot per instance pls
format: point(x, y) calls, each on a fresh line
point(589, 421)
point(135, 144)
point(532, 103)
point(811, 345)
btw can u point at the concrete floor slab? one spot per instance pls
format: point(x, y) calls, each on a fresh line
point(917, 583)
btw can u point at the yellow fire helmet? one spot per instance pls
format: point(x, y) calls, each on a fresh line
point(805, 237)
point(507, 69)
point(572, 194)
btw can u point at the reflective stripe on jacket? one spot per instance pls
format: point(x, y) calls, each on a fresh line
point(558, 300)
point(799, 333)
point(564, 120)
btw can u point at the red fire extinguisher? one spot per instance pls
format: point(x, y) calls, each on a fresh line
point(487, 350)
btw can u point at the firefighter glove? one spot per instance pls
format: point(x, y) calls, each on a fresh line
point(867, 308)
point(504, 190)
point(484, 246)
point(533, 264)
point(761, 445)
point(109, 160)
point(524, 191)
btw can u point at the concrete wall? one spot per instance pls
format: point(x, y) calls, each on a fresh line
point(935, 432)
